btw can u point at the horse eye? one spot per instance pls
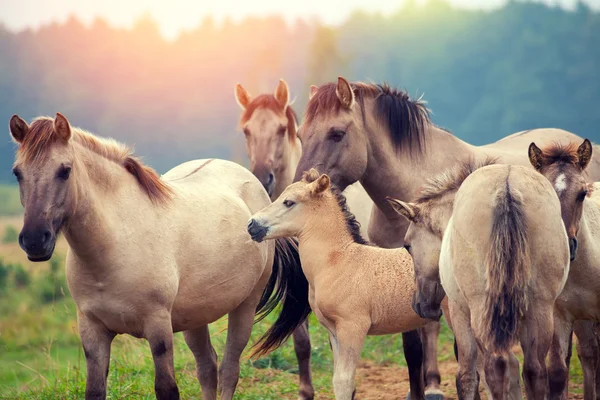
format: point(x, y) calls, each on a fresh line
point(17, 174)
point(337, 136)
point(64, 173)
point(246, 132)
point(407, 247)
point(289, 203)
point(281, 131)
point(582, 195)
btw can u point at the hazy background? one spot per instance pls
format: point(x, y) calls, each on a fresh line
point(160, 75)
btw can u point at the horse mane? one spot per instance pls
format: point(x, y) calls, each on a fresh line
point(405, 118)
point(560, 153)
point(269, 101)
point(351, 222)
point(42, 135)
point(450, 180)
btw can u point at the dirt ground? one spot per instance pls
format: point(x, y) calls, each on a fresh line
point(375, 382)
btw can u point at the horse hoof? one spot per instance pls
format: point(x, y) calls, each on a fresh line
point(434, 396)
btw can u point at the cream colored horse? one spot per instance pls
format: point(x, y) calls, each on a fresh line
point(269, 125)
point(355, 289)
point(149, 256)
point(503, 260)
point(565, 167)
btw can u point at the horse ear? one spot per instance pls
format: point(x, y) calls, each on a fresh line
point(282, 94)
point(321, 184)
point(585, 153)
point(18, 128)
point(242, 96)
point(345, 93)
point(536, 156)
point(407, 210)
point(313, 91)
point(62, 127)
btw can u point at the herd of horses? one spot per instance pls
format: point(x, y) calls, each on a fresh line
point(500, 239)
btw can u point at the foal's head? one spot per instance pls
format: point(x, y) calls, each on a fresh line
point(269, 123)
point(564, 166)
point(43, 169)
point(288, 215)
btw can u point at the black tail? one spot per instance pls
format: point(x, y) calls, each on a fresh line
point(290, 287)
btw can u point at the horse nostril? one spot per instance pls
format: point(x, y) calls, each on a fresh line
point(21, 239)
point(572, 248)
point(271, 179)
point(251, 223)
point(46, 237)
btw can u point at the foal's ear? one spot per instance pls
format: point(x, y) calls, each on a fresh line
point(345, 93)
point(282, 94)
point(313, 91)
point(18, 128)
point(584, 152)
point(321, 184)
point(62, 127)
point(242, 96)
point(407, 210)
point(536, 156)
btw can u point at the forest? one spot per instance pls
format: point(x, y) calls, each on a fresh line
point(484, 74)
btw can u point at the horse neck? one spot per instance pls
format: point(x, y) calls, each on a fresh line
point(324, 235)
point(284, 174)
point(107, 197)
point(398, 173)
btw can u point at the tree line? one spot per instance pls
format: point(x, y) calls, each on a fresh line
point(485, 74)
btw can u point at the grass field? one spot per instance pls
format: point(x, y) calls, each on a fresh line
point(41, 356)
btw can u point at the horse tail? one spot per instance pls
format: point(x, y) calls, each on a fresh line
point(507, 272)
point(290, 288)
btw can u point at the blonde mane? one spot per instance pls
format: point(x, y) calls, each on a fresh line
point(42, 135)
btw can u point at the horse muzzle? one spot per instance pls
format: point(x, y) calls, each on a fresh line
point(257, 231)
point(427, 301)
point(38, 244)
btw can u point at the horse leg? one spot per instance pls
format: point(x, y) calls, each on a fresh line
point(588, 353)
point(349, 340)
point(159, 333)
point(239, 328)
point(198, 340)
point(497, 374)
point(429, 337)
point(467, 379)
point(536, 338)
point(96, 341)
point(413, 353)
point(303, 349)
point(514, 377)
point(557, 368)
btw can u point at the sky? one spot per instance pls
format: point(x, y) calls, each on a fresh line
point(173, 16)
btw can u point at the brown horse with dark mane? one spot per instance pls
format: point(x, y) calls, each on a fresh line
point(382, 138)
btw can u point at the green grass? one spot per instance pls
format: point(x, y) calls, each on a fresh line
point(10, 204)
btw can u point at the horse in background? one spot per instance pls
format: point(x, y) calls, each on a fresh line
point(269, 124)
point(355, 289)
point(578, 309)
point(149, 256)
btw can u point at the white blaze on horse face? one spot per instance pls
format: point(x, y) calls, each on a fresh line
point(561, 183)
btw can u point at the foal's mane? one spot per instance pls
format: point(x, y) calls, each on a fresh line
point(405, 118)
point(557, 153)
point(42, 135)
point(269, 101)
point(351, 222)
point(450, 180)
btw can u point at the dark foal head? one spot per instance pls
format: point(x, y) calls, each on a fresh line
point(564, 166)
